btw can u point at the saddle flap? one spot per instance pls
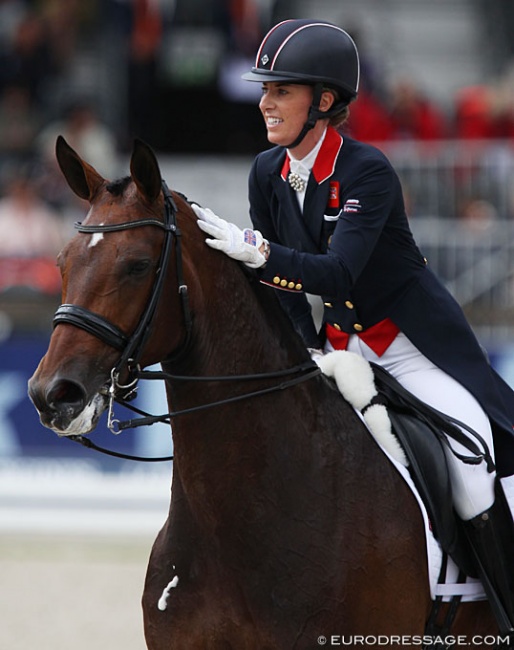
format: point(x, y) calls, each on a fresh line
point(423, 445)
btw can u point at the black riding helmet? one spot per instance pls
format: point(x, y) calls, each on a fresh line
point(317, 53)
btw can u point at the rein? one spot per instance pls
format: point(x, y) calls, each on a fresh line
point(117, 427)
point(310, 369)
point(131, 347)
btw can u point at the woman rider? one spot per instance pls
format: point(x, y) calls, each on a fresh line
point(330, 220)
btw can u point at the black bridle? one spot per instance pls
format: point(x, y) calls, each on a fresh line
point(132, 346)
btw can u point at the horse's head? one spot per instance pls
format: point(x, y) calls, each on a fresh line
point(113, 271)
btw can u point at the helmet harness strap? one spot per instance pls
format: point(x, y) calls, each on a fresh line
point(312, 118)
point(315, 114)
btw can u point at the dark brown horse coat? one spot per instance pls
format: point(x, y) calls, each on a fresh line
point(286, 523)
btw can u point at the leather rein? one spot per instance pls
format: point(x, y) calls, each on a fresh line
point(131, 347)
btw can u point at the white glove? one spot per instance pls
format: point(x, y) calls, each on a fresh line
point(316, 354)
point(241, 245)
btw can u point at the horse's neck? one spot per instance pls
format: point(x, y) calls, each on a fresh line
point(237, 333)
point(240, 331)
point(228, 455)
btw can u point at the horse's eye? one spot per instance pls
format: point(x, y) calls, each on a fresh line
point(139, 267)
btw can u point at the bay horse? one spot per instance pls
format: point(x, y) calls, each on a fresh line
point(288, 527)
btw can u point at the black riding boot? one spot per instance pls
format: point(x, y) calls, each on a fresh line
point(491, 539)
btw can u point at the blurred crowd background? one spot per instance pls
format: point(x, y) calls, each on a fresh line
point(437, 95)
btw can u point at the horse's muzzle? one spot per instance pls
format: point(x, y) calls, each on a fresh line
point(64, 407)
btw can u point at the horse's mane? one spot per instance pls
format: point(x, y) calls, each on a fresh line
point(275, 314)
point(270, 307)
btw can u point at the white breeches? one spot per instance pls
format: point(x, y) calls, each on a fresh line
point(473, 485)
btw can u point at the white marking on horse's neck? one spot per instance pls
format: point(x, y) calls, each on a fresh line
point(163, 600)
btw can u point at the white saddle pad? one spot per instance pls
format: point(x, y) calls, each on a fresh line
point(472, 589)
point(354, 378)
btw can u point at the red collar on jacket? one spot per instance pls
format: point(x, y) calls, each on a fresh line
point(326, 159)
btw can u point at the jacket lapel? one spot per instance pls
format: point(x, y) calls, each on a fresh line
point(289, 222)
point(303, 231)
point(317, 194)
point(327, 157)
point(316, 198)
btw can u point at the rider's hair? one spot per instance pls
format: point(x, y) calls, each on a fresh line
point(341, 116)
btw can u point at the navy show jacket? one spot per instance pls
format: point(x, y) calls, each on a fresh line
point(353, 247)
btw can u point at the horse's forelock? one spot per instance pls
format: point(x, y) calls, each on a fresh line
point(116, 188)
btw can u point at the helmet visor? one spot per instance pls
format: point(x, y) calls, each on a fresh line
point(256, 74)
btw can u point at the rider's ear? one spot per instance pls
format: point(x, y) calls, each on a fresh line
point(327, 101)
point(83, 179)
point(145, 171)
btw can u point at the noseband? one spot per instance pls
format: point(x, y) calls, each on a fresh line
point(132, 346)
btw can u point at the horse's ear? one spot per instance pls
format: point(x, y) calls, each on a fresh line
point(83, 179)
point(145, 171)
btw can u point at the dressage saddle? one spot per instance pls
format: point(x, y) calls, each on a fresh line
point(482, 547)
point(423, 433)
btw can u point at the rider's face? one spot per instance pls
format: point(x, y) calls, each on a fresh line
point(285, 107)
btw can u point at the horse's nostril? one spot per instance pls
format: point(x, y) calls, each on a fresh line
point(66, 394)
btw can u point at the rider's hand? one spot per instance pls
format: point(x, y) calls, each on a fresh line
point(241, 245)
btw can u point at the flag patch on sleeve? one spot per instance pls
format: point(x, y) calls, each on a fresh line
point(352, 205)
